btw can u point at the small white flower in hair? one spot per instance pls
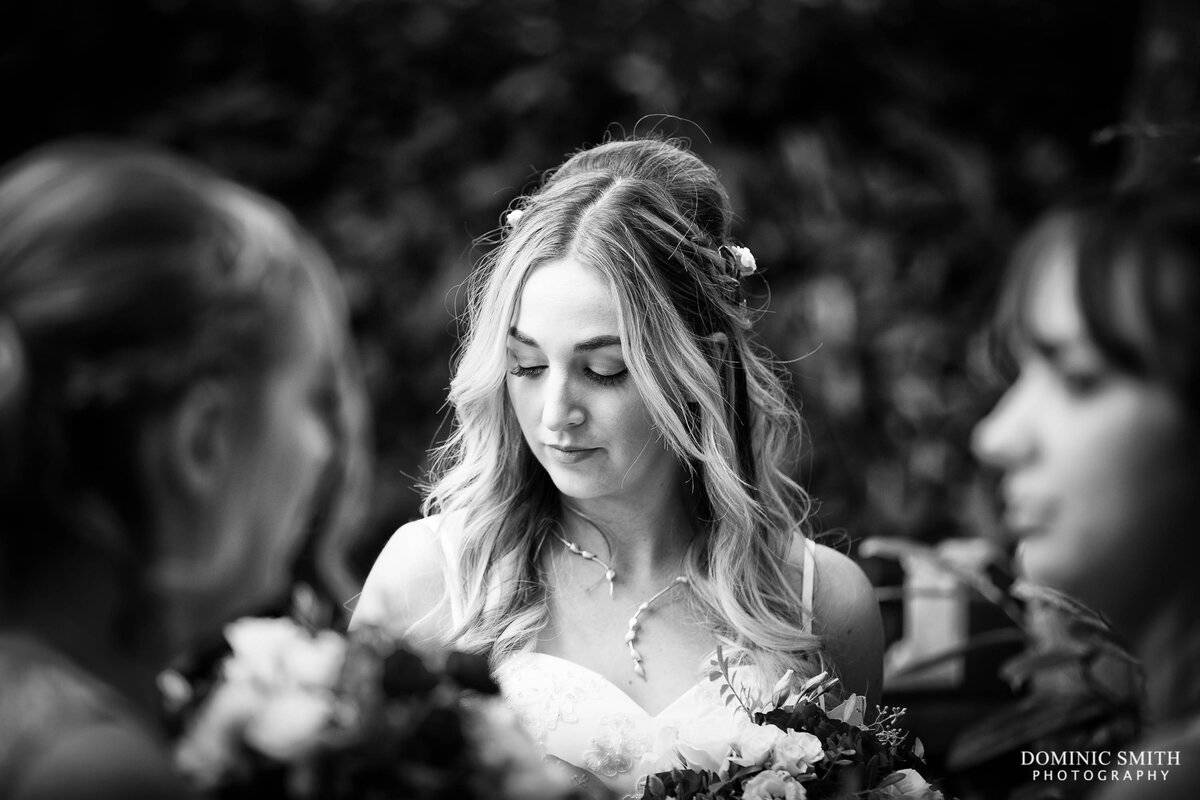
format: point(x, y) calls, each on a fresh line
point(744, 259)
point(513, 216)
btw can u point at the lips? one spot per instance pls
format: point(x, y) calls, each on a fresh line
point(1026, 516)
point(1023, 524)
point(570, 454)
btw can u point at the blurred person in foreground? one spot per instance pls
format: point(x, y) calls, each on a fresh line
point(1099, 440)
point(615, 499)
point(171, 408)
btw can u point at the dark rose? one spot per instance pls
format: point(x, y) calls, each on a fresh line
point(470, 671)
point(405, 674)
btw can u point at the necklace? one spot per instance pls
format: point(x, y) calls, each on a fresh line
point(610, 574)
point(635, 622)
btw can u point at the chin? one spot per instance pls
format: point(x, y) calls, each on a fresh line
point(1070, 573)
point(576, 487)
point(1043, 564)
point(578, 490)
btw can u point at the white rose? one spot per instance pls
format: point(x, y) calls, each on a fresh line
point(905, 784)
point(289, 724)
point(796, 751)
point(704, 742)
point(661, 756)
point(259, 647)
point(710, 753)
point(773, 784)
point(209, 749)
point(316, 661)
point(754, 743)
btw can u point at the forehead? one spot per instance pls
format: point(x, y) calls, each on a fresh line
point(1051, 306)
point(567, 301)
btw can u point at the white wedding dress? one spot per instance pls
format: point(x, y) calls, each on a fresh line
point(581, 717)
point(574, 713)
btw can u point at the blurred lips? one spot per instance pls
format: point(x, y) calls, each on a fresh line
point(1021, 524)
point(569, 454)
point(1024, 516)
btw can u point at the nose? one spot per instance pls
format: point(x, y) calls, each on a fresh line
point(561, 408)
point(1006, 437)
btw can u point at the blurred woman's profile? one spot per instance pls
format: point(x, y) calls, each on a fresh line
point(1098, 438)
point(172, 405)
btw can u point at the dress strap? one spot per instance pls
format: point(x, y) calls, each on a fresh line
point(810, 571)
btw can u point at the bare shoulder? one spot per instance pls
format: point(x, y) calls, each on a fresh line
point(405, 592)
point(846, 617)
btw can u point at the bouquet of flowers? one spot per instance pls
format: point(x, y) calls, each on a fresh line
point(300, 712)
point(792, 748)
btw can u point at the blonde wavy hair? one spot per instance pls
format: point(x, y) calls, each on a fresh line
point(654, 220)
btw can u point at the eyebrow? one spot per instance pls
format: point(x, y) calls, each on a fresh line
point(1060, 351)
point(587, 345)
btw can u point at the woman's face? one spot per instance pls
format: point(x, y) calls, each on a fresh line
point(1099, 465)
point(574, 399)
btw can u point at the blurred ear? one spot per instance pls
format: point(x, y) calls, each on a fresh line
point(198, 440)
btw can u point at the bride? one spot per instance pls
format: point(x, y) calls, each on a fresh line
point(614, 501)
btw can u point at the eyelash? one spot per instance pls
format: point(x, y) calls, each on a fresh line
point(595, 377)
point(606, 380)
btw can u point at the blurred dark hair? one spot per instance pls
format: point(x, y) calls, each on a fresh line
point(1136, 257)
point(125, 276)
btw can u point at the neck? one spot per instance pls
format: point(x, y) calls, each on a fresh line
point(640, 540)
point(1169, 648)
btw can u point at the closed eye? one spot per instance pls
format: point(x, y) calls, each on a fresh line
point(526, 372)
point(610, 379)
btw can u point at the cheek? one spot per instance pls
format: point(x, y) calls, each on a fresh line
point(295, 456)
point(318, 440)
point(311, 446)
point(628, 420)
point(1128, 470)
point(1125, 485)
point(523, 401)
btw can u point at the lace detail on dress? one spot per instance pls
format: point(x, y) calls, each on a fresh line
point(543, 699)
point(580, 717)
point(616, 747)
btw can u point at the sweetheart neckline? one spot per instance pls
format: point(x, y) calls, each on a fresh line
point(603, 679)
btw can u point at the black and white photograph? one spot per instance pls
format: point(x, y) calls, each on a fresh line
point(623, 400)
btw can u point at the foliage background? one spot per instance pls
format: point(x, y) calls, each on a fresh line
point(882, 155)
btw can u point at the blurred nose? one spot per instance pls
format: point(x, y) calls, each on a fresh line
point(561, 409)
point(1006, 438)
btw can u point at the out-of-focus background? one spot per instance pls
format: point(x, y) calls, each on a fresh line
point(882, 156)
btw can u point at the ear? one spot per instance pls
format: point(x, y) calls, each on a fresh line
point(198, 439)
